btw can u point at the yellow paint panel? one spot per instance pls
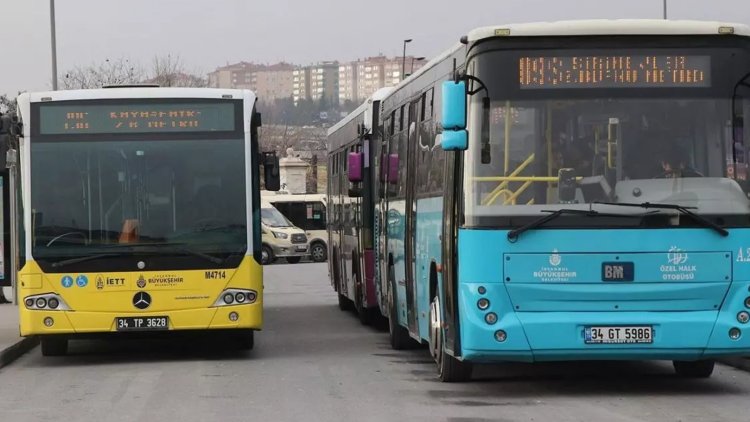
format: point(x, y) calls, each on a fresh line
point(186, 297)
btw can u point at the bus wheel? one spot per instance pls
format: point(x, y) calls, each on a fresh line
point(399, 336)
point(344, 303)
point(266, 255)
point(54, 346)
point(449, 368)
point(245, 339)
point(363, 313)
point(318, 252)
point(694, 369)
point(293, 259)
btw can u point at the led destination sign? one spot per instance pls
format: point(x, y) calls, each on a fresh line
point(616, 71)
point(58, 119)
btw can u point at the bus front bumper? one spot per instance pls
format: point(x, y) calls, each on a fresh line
point(80, 322)
point(561, 336)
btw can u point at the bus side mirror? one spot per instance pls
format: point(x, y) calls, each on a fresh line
point(393, 169)
point(355, 167)
point(271, 171)
point(454, 137)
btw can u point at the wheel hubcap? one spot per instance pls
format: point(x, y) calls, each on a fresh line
point(264, 256)
point(317, 253)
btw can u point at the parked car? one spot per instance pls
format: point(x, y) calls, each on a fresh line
point(308, 212)
point(281, 239)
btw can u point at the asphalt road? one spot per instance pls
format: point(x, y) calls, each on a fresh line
point(315, 363)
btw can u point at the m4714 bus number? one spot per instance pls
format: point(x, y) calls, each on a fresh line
point(618, 335)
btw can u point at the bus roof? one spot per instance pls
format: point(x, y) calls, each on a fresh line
point(137, 92)
point(295, 197)
point(610, 27)
point(589, 27)
point(379, 95)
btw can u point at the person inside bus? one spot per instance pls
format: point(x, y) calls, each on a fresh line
point(674, 163)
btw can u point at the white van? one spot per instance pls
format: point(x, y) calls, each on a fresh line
point(308, 212)
point(281, 239)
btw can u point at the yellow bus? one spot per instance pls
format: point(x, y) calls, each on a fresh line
point(140, 213)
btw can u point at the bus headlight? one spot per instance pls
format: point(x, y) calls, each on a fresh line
point(280, 235)
point(490, 318)
point(483, 304)
point(747, 302)
point(47, 301)
point(743, 317)
point(53, 303)
point(234, 297)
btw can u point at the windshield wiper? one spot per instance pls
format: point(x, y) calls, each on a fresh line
point(513, 234)
point(72, 261)
point(680, 208)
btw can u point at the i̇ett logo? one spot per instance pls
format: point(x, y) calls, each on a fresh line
point(142, 300)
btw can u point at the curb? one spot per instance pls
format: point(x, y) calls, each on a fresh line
point(739, 363)
point(17, 350)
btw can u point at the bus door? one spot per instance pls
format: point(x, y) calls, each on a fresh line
point(410, 214)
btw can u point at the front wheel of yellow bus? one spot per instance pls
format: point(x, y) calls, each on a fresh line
point(54, 346)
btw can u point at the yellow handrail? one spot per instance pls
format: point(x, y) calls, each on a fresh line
point(520, 190)
point(518, 179)
point(503, 185)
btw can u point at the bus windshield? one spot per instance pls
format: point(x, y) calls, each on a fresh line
point(609, 131)
point(118, 194)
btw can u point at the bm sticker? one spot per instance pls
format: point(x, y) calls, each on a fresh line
point(618, 271)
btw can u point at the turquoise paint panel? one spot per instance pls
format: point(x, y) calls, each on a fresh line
point(396, 241)
point(692, 305)
point(428, 249)
point(671, 266)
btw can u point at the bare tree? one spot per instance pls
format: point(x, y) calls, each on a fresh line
point(7, 104)
point(110, 72)
point(170, 70)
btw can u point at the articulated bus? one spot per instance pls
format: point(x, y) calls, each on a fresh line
point(569, 191)
point(140, 213)
point(351, 219)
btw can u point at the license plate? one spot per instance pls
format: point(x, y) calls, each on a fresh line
point(619, 335)
point(301, 248)
point(618, 271)
point(154, 323)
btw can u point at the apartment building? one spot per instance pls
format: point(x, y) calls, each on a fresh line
point(315, 82)
point(269, 82)
point(360, 79)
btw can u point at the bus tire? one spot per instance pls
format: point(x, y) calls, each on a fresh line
point(293, 259)
point(266, 255)
point(398, 335)
point(449, 368)
point(363, 313)
point(54, 346)
point(694, 369)
point(344, 303)
point(245, 339)
point(318, 252)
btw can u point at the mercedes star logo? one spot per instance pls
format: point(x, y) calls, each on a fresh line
point(142, 300)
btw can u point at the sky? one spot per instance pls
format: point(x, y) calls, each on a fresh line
point(210, 33)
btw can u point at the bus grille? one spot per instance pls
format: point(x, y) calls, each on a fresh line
point(299, 238)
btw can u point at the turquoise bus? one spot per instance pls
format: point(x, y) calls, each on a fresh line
point(568, 191)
